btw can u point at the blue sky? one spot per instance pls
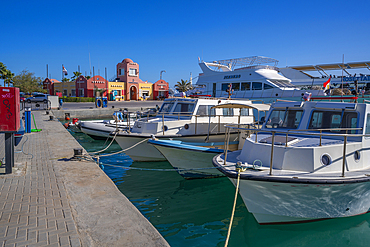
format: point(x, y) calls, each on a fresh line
point(171, 35)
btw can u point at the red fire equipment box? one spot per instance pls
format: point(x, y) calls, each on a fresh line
point(9, 109)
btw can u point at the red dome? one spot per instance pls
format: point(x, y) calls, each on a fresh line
point(127, 60)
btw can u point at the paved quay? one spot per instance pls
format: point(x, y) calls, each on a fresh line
point(51, 200)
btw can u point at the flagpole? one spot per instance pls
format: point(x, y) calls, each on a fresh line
point(62, 82)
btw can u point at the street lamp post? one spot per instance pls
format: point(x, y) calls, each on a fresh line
point(161, 74)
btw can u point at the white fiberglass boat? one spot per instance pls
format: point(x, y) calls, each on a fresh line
point(249, 77)
point(182, 119)
point(194, 160)
point(100, 129)
point(309, 161)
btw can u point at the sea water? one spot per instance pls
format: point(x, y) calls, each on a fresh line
point(197, 212)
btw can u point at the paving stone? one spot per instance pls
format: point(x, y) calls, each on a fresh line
point(35, 208)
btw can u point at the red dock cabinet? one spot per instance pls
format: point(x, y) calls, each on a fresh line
point(9, 109)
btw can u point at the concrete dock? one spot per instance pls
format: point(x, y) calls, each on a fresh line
point(52, 200)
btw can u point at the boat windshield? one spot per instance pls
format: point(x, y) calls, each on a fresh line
point(184, 108)
point(166, 107)
point(284, 118)
point(333, 120)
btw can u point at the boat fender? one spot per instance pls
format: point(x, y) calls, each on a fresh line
point(186, 126)
point(153, 138)
point(66, 125)
point(118, 116)
point(75, 120)
point(165, 128)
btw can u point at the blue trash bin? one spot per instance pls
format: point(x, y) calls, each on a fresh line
point(60, 102)
point(98, 102)
point(105, 102)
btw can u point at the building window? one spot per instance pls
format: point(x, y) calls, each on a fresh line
point(73, 92)
point(132, 72)
point(121, 72)
point(81, 92)
point(65, 92)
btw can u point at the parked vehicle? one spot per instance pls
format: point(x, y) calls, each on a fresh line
point(38, 98)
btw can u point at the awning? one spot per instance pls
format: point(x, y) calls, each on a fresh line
point(259, 107)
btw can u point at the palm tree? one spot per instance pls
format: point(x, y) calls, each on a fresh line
point(76, 74)
point(6, 74)
point(183, 86)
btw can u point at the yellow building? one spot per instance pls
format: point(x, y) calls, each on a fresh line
point(68, 88)
point(145, 91)
point(116, 90)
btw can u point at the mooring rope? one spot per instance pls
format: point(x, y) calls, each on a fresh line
point(124, 150)
point(104, 144)
point(239, 169)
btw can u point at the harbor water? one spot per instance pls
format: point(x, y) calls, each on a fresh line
point(197, 212)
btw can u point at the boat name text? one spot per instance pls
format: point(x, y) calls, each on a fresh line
point(231, 76)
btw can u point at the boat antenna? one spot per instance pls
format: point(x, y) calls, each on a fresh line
point(342, 72)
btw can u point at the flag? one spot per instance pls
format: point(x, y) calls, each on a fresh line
point(65, 71)
point(327, 84)
point(307, 96)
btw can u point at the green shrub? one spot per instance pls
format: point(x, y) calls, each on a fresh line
point(78, 99)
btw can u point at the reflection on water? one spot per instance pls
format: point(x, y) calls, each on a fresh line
point(197, 212)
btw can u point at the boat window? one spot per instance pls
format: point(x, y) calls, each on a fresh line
point(228, 112)
point(236, 86)
point(367, 130)
point(267, 86)
point(333, 120)
point(244, 112)
point(289, 119)
point(205, 110)
point(166, 107)
point(282, 83)
point(184, 108)
point(246, 86)
point(225, 86)
point(257, 86)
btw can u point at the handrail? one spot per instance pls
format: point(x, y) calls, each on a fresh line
point(273, 132)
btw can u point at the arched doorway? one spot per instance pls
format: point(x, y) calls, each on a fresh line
point(133, 93)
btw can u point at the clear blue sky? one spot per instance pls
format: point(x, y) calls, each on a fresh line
point(171, 35)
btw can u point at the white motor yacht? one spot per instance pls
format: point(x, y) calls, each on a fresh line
point(308, 162)
point(249, 77)
point(185, 119)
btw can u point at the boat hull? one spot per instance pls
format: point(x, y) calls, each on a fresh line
point(147, 152)
point(184, 159)
point(273, 203)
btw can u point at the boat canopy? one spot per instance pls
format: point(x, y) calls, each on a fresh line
point(259, 107)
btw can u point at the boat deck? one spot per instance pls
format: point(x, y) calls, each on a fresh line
point(288, 176)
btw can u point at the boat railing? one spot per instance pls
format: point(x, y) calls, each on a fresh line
point(295, 131)
point(179, 115)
